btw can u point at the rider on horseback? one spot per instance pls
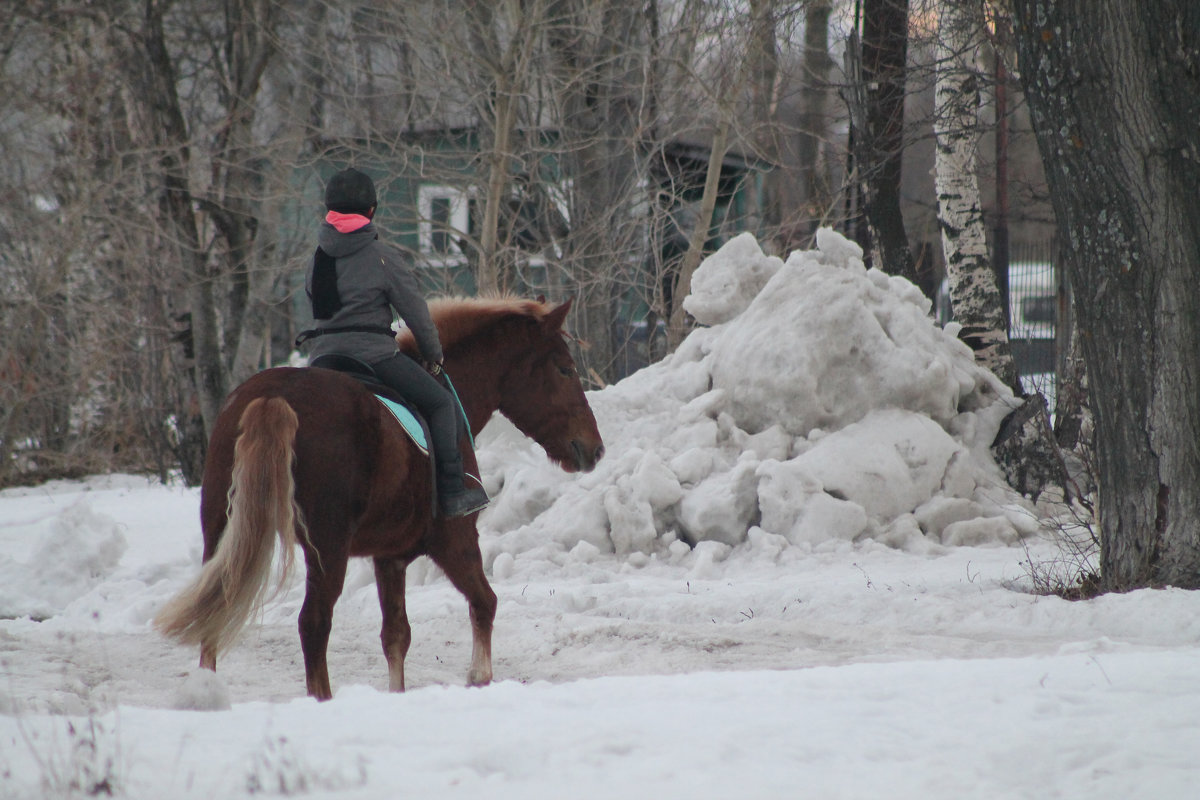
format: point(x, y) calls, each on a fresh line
point(354, 283)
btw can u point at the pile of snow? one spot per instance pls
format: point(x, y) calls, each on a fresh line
point(820, 403)
point(59, 566)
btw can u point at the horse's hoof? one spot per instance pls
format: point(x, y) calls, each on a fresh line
point(478, 678)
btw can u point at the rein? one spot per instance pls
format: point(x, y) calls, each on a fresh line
point(462, 410)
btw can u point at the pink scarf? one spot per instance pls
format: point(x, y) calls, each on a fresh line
point(346, 223)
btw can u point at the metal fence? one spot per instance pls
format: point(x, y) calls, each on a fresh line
point(1036, 305)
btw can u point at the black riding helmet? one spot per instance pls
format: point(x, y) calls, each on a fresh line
point(350, 192)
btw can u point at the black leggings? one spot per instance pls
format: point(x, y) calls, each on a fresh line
point(433, 400)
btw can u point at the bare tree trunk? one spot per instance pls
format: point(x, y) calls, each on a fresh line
point(763, 67)
point(239, 180)
point(150, 74)
point(815, 192)
point(1113, 89)
point(708, 202)
point(505, 66)
point(487, 278)
point(599, 96)
point(226, 338)
point(974, 295)
point(881, 136)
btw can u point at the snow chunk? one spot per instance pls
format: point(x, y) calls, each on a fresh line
point(721, 508)
point(202, 690)
point(888, 463)
point(723, 286)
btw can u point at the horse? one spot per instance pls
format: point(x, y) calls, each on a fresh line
point(310, 457)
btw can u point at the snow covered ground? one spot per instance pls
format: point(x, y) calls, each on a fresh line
point(797, 573)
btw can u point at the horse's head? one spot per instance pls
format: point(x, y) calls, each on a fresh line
point(542, 395)
point(510, 355)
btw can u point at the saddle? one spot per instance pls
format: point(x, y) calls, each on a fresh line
point(409, 418)
point(412, 423)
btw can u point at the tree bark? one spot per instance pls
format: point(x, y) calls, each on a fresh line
point(1000, 249)
point(974, 295)
point(1114, 91)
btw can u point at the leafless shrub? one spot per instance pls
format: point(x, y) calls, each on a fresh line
point(1074, 571)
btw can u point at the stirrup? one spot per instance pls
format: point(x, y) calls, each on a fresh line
point(462, 502)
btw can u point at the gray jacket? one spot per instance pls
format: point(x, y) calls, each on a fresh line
point(372, 279)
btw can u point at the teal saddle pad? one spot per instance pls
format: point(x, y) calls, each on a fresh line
point(408, 420)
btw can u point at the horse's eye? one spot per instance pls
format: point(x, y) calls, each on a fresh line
point(566, 372)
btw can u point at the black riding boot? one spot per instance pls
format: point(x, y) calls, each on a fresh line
point(455, 498)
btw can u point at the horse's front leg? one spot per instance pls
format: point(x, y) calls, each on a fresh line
point(396, 633)
point(480, 673)
point(456, 551)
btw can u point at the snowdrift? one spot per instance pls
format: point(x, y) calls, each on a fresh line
point(818, 403)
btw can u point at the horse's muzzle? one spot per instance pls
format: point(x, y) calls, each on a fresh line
point(586, 456)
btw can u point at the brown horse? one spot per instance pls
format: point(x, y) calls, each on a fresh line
point(311, 455)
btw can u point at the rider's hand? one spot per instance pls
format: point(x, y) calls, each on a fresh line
point(434, 368)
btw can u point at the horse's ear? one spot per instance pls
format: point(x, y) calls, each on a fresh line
point(555, 318)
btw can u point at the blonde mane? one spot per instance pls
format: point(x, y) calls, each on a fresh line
point(459, 318)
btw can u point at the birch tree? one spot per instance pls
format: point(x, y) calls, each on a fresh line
point(974, 295)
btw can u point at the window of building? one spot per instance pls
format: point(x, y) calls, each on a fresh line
point(446, 215)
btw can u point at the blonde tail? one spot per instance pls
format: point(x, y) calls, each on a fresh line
point(214, 608)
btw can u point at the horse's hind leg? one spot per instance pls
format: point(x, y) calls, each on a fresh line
point(457, 552)
point(208, 657)
point(396, 633)
point(213, 522)
point(325, 579)
point(214, 516)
